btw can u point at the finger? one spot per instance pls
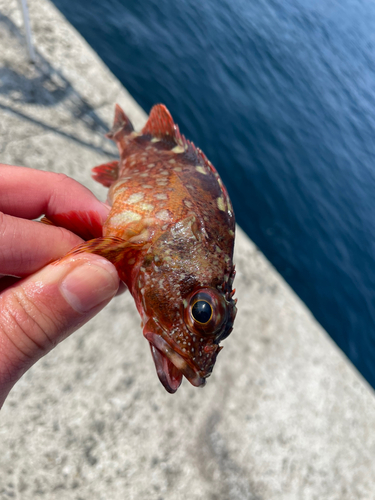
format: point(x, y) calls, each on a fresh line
point(29, 193)
point(26, 246)
point(121, 289)
point(40, 311)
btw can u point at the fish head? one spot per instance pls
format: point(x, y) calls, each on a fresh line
point(184, 295)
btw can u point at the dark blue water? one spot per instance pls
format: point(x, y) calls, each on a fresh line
point(280, 94)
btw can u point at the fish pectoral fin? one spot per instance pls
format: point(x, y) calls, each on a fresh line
point(122, 126)
point(109, 247)
point(86, 225)
point(106, 174)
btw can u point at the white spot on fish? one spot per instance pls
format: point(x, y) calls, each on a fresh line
point(172, 161)
point(151, 165)
point(188, 203)
point(147, 186)
point(118, 192)
point(135, 198)
point(163, 215)
point(125, 217)
point(230, 208)
point(155, 139)
point(161, 196)
point(178, 149)
point(231, 232)
point(164, 172)
point(201, 169)
point(131, 261)
point(147, 207)
point(220, 204)
point(177, 169)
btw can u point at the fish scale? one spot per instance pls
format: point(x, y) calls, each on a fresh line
point(170, 234)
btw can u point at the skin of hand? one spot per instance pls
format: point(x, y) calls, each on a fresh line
point(43, 303)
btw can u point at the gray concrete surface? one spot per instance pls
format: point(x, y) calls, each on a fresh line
point(284, 416)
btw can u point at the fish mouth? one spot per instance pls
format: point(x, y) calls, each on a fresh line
point(171, 366)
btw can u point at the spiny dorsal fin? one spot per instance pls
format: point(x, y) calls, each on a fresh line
point(121, 125)
point(160, 124)
point(106, 174)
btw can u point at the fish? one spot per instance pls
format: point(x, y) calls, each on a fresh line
point(170, 233)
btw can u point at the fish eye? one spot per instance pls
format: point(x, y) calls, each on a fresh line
point(202, 311)
point(205, 311)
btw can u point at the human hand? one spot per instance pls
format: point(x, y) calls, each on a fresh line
point(51, 300)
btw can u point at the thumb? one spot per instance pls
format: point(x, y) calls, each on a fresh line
point(43, 309)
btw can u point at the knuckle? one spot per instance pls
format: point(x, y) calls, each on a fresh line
point(44, 323)
point(67, 239)
point(62, 177)
point(29, 330)
point(3, 224)
point(67, 182)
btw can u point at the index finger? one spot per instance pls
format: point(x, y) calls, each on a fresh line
point(29, 193)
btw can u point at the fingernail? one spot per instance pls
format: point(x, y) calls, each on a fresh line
point(89, 284)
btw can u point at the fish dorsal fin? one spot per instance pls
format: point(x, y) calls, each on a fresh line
point(106, 174)
point(121, 125)
point(160, 124)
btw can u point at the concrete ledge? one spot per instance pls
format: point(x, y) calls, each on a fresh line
point(283, 416)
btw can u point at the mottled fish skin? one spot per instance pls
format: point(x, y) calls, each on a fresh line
point(170, 233)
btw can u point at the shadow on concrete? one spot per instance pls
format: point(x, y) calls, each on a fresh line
point(217, 466)
point(43, 85)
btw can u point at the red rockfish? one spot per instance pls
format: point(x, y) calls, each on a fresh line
point(170, 234)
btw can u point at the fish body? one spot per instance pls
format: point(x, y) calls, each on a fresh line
point(170, 234)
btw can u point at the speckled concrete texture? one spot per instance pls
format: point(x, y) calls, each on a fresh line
point(283, 416)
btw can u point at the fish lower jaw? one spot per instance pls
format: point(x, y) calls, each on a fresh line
point(171, 366)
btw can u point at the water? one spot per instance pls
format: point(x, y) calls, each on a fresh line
point(280, 94)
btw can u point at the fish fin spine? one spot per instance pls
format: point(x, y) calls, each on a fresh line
point(122, 126)
point(46, 221)
point(109, 247)
point(160, 124)
point(206, 162)
point(106, 174)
